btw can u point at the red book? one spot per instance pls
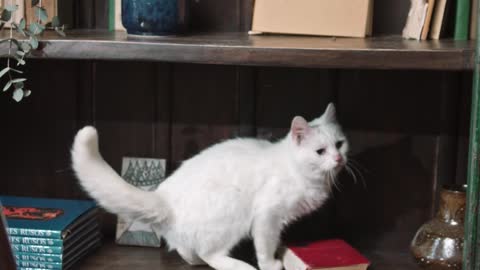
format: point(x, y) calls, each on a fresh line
point(326, 255)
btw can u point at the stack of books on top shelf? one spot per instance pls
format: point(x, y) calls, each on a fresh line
point(50, 233)
point(440, 19)
point(64, 9)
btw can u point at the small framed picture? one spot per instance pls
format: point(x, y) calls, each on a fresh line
point(146, 174)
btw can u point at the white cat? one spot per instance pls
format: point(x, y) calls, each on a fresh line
point(235, 189)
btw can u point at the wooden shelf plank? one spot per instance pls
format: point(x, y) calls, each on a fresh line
point(390, 260)
point(112, 256)
point(269, 50)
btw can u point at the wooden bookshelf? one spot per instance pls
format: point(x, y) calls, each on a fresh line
point(233, 48)
point(148, 97)
point(112, 256)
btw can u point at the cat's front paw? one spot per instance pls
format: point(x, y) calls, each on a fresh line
point(271, 265)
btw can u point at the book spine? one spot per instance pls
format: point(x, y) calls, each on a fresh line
point(49, 6)
point(20, 13)
point(37, 249)
point(111, 15)
point(48, 258)
point(462, 19)
point(118, 25)
point(30, 268)
point(43, 265)
point(473, 20)
point(18, 240)
point(34, 233)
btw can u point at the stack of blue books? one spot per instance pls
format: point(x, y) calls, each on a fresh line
point(50, 233)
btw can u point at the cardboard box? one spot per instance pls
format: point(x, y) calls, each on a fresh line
point(349, 18)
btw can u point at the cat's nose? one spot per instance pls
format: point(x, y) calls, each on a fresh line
point(339, 159)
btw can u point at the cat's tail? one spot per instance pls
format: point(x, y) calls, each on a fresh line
point(107, 187)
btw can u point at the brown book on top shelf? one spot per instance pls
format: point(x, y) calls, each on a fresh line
point(49, 5)
point(473, 20)
point(349, 18)
point(439, 19)
point(63, 9)
point(18, 14)
point(428, 19)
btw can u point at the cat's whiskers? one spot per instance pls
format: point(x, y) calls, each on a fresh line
point(332, 181)
point(357, 164)
point(352, 173)
point(352, 168)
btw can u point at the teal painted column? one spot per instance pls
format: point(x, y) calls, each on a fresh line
point(471, 254)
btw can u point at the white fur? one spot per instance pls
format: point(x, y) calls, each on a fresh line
point(235, 189)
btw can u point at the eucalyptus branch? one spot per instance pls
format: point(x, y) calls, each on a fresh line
point(23, 48)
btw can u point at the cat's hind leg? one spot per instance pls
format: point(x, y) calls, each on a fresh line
point(190, 257)
point(221, 261)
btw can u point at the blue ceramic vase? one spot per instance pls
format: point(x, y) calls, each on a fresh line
point(155, 17)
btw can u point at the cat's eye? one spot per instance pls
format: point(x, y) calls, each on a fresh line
point(339, 144)
point(321, 151)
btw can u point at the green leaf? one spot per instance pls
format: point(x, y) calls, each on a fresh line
point(6, 15)
point(18, 94)
point(18, 80)
point(34, 42)
point(36, 28)
point(55, 22)
point(16, 70)
point(18, 85)
point(20, 61)
point(4, 71)
point(11, 8)
point(18, 29)
point(27, 93)
point(26, 47)
point(41, 14)
point(22, 24)
point(35, 2)
point(60, 32)
point(7, 86)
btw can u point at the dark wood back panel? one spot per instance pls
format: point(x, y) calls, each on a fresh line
point(465, 90)
point(402, 128)
point(389, 16)
point(38, 131)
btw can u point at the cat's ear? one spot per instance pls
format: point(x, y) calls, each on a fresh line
point(330, 113)
point(329, 116)
point(299, 129)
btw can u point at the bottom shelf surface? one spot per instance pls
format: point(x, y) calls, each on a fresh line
point(112, 256)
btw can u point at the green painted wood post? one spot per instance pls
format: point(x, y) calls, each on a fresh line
point(471, 256)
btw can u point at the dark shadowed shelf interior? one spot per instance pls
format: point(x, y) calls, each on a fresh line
point(238, 48)
point(112, 256)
